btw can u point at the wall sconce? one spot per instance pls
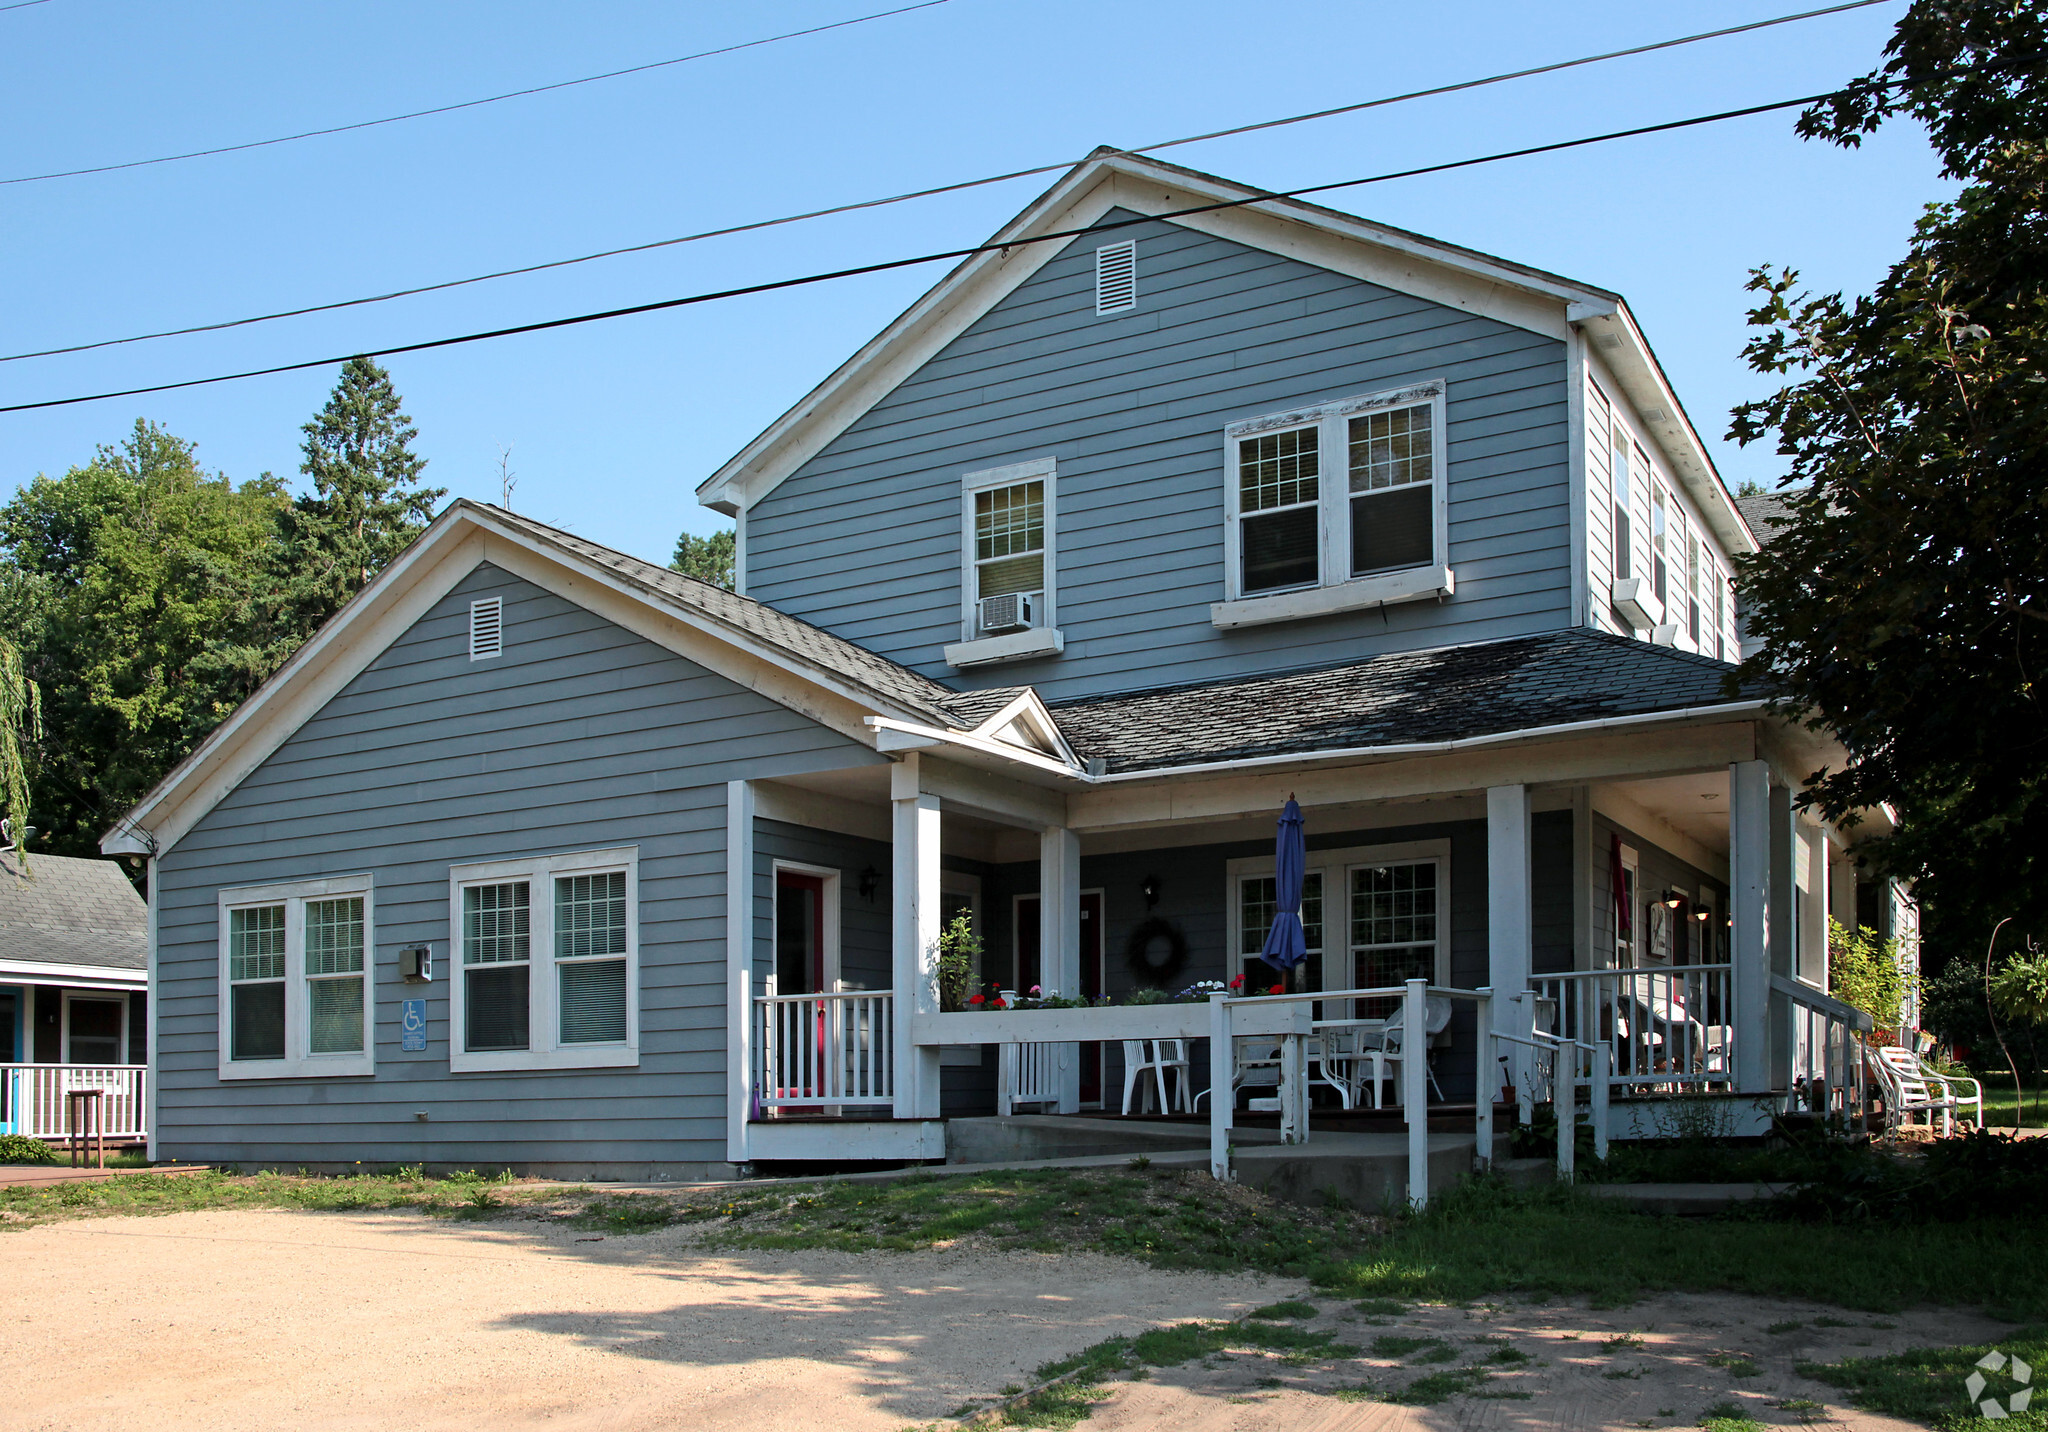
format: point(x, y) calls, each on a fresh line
point(1703, 914)
point(1672, 900)
point(1149, 888)
point(870, 881)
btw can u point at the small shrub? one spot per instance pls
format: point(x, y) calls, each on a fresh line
point(20, 1148)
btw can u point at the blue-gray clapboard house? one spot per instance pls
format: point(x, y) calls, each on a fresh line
point(1047, 599)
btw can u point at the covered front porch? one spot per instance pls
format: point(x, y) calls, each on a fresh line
point(1634, 903)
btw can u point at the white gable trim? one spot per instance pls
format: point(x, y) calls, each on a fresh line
point(1358, 248)
point(459, 541)
point(1028, 710)
point(1375, 253)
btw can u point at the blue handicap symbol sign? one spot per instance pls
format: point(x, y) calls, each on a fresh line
point(413, 1025)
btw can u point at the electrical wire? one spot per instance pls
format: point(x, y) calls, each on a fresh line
point(464, 104)
point(22, 5)
point(892, 264)
point(924, 193)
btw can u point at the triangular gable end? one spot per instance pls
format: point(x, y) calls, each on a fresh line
point(1025, 722)
point(465, 536)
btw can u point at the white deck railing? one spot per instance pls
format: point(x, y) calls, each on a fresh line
point(32, 1098)
point(815, 1051)
point(1826, 1076)
point(1030, 1074)
point(1668, 1028)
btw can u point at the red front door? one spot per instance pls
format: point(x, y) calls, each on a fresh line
point(799, 933)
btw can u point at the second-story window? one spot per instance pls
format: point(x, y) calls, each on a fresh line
point(1659, 570)
point(1622, 566)
point(1692, 588)
point(1008, 577)
point(1337, 493)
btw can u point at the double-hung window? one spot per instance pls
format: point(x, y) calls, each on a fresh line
point(545, 971)
point(295, 979)
point(1623, 567)
point(1659, 568)
point(1693, 588)
point(1007, 572)
point(1374, 917)
point(1343, 502)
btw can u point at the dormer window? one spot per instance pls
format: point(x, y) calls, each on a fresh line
point(1335, 507)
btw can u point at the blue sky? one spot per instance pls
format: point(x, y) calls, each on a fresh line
point(613, 425)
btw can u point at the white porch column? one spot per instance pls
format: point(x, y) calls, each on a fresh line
point(739, 967)
point(914, 896)
point(1059, 937)
point(1813, 913)
point(1783, 923)
point(1508, 914)
point(1749, 900)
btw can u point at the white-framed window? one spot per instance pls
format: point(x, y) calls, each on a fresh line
point(95, 1027)
point(1660, 569)
point(1623, 553)
point(1692, 587)
point(1373, 916)
point(296, 986)
point(1007, 569)
point(1627, 913)
point(1349, 491)
point(544, 968)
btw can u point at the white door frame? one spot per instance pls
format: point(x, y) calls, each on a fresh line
point(829, 899)
point(64, 1025)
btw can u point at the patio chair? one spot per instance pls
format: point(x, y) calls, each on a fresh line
point(1338, 1057)
point(1155, 1057)
point(1911, 1087)
point(1255, 1063)
point(1392, 1045)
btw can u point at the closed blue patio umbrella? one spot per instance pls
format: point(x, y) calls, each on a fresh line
point(1286, 945)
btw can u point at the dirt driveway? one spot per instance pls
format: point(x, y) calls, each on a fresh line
point(309, 1322)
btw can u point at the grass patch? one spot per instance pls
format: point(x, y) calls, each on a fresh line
point(1926, 1385)
point(1827, 1322)
point(1440, 1387)
point(1627, 1342)
point(1785, 1327)
point(1735, 1364)
point(1400, 1345)
point(1729, 1417)
point(1508, 1357)
point(466, 1194)
point(1282, 1312)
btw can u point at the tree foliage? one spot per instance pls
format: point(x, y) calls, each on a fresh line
point(1873, 975)
point(149, 598)
point(708, 559)
point(1905, 602)
point(21, 723)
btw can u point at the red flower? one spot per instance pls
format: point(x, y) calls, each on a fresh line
point(1276, 989)
point(976, 1000)
point(998, 1004)
point(1237, 983)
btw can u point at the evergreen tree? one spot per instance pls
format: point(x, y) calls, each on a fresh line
point(708, 559)
point(366, 501)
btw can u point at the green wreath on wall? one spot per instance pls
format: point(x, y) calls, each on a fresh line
point(1155, 953)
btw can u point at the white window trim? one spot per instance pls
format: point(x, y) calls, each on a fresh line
point(298, 1063)
point(111, 996)
point(1045, 638)
point(1336, 867)
point(543, 1032)
point(1337, 591)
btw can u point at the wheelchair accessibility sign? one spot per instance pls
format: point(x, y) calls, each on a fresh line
point(413, 1026)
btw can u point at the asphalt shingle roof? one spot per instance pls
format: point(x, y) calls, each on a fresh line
point(1763, 511)
point(1442, 694)
point(811, 645)
point(74, 912)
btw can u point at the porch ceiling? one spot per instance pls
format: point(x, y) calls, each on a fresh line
point(1696, 806)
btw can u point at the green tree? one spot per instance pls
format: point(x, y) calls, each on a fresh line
point(1873, 975)
point(122, 577)
point(708, 559)
point(21, 723)
point(1905, 602)
point(366, 501)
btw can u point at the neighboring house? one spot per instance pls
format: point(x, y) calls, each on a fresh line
point(1050, 597)
point(74, 968)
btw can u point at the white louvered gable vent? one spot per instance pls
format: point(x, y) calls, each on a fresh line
point(486, 628)
point(1116, 277)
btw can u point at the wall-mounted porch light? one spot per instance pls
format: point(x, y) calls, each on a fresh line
point(1149, 888)
point(1672, 900)
point(870, 881)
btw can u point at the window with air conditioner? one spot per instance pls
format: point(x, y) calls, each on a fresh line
point(1338, 505)
point(296, 979)
point(1007, 564)
point(545, 973)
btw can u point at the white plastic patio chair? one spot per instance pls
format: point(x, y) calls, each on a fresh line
point(1339, 1056)
point(1255, 1063)
point(1392, 1046)
point(1911, 1087)
point(1155, 1057)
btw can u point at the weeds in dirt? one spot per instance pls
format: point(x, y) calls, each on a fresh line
point(1927, 1385)
point(1729, 1417)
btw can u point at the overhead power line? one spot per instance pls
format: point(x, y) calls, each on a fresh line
point(926, 193)
point(22, 5)
point(892, 264)
point(462, 104)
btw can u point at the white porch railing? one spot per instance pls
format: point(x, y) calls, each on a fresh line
point(816, 1051)
point(1668, 1028)
point(32, 1098)
point(1826, 1075)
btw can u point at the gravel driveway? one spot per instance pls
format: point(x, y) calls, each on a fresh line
point(271, 1320)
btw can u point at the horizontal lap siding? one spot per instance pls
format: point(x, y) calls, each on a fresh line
point(865, 539)
point(581, 736)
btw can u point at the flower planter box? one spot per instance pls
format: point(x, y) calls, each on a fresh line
point(1136, 1021)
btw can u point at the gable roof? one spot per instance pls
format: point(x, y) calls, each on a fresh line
point(72, 912)
point(1443, 694)
point(1406, 262)
point(811, 670)
point(1765, 512)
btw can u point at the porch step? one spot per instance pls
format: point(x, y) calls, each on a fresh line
point(993, 1139)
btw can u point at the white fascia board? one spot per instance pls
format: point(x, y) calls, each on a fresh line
point(1030, 706)
point(1728, 711)
point(892, 731)
point(38, 972)
point(1634, 368)
point(1392, 258)
point(448, 551)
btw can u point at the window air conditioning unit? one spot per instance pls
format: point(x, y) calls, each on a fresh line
point(1013, 611)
